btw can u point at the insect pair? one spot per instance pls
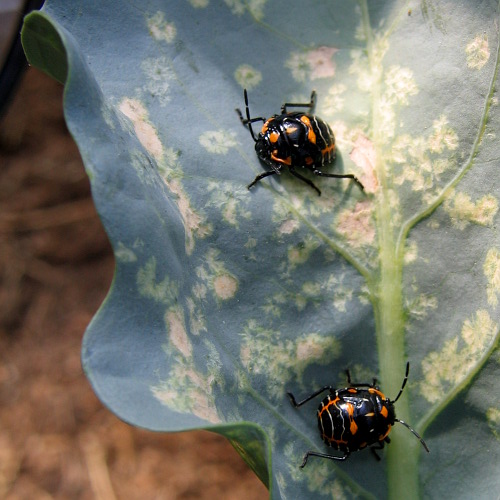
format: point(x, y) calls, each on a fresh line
point(294, 140)
point(355, 417)
point(352, 418)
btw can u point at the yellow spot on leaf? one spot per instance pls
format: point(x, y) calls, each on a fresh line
point(400, 84)
point(478, 52)
point(444, 137)
point(187, 391)
point(463, 211)
point(493, 417)
point(491, 269)
point(160, 29)
point(264, 352)
point(445, 369)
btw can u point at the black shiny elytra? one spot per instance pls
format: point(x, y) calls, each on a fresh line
point(355, 417)
point(294, 140)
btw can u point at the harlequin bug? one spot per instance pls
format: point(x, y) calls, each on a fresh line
point(353, 418)
point(292, 140)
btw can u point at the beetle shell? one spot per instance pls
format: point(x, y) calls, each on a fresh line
point(296, 140)
point(351, 419)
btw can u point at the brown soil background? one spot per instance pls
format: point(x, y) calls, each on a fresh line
point(56, 439)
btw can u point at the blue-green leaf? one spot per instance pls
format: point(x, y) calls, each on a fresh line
point(224, 298)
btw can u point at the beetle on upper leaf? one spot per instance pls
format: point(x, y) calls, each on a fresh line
point(292, 140)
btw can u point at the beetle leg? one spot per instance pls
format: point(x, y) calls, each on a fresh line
point(322, 455)
point(309, 105)
point(261, 176)
point(358, 384)
point(248, 122)
point(303, 179)
point(340, 176)
point(313, 395)
point(379, 447)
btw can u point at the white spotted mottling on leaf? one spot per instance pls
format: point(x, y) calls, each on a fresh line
point(189, 391)
point(493, 418)
point(174, 319)
point(135, 111)
point(400, 84)
point(157, 77)
point(124, 254)
point(161, 29)
point(255, 7)
point(463, 211)
point(313, 64)
point(247, 76)
point(199, 4)
point(357, 225)
point(477, 52)
point(491, 268)
point(194, 222)
point(445, 369)
point(264, 352)
point(321, 62)
point(443, 137)
point(218, 141)
point(333, 102)
point(214, 276)
point(289, 226)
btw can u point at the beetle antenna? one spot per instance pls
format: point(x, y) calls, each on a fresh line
point(404, 382)
point(247, 122)
point(414, 433)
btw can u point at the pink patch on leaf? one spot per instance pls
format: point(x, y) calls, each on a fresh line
point(364, 157)
point(320, 62)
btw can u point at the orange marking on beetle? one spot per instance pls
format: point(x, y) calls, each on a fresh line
point(286, 161)
point(327, 406)
point(382, 437)
point(384, 412)
point(291, 129)
point(371, 390)
point(352, 390)
point(266, 126)
point(273, 137)
point(353, 428)
point(328, 149)
point(371, 414)
point(333, 440)
point(311, 136)
point(350, 409)
point(309, 161)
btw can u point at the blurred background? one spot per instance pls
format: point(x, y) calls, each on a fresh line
point(56, 265)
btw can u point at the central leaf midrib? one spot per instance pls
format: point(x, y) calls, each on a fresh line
point(386, 295)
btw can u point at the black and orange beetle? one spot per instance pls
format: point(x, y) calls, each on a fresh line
point(294, 140)
point(355, 417)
